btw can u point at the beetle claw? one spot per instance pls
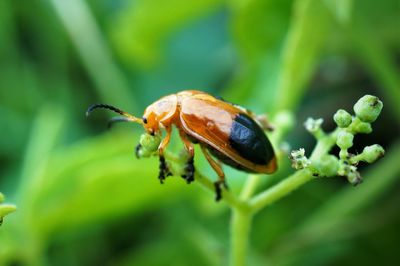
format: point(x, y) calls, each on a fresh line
point(218, 192)
point(164, 170)
point(189, 171)
point(137, 150)
point(218, 189)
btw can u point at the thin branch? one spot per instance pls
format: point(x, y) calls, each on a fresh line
point(229, 197)
point(280, 190)
point(250, 186)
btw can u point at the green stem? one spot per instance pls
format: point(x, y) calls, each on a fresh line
point(324, 145)
point(230, 198)
point(294, 181)
point(204, 181)
point(250, 186)
point(240, 231)
point(244, 208)
point(280, 190)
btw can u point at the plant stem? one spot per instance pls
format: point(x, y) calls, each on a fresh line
point(240, 231)
point(280, 190)
point(250, 186)
point(230, 198)
point(324, 145)
point(294, 181)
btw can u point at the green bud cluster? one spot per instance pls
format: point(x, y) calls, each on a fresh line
point(299, 160)
point(342, 118)
point(314, 127)
point(360, 127)
point(369, 155)
point(344, 140)
point(149, 144)
point(367, 110)
point(349, 171)
point(5, 209)
point(327, 165)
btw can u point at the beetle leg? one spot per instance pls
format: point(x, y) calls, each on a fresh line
point(218, 169)
point(164, 170)
point(137, 150)
point(189, 169)
point(263, 121)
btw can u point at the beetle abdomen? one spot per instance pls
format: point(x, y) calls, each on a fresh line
point(228, 161)
point(249, 140)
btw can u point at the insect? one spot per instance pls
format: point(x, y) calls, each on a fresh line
point(228, 132)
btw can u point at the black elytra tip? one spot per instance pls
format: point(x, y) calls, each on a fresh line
point(249, 140)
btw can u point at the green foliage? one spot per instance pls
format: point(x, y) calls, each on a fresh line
point(5, 209)
point(84, 199)
point(141, 28)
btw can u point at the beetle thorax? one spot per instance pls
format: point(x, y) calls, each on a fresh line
point(160, 114)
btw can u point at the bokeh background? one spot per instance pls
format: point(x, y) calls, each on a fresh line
point(84, 199)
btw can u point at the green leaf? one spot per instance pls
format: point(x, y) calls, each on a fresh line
point(341, 8)
point(141, 28)
point(96, 181)
point(91, 46)
point(378, 59)
point(305, 41)
point(258, 29)
point(5, 209)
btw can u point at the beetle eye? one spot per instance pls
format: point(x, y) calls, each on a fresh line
point(144, 120)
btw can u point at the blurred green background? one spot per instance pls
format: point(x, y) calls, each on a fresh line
point(84, 199)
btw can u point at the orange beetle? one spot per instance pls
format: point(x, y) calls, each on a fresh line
point(227, 131)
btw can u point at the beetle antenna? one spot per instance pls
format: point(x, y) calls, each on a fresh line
point(127, 117)
point(117, 119)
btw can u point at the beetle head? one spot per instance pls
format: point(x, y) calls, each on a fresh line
point(151, 123)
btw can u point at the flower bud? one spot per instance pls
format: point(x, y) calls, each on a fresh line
point(368, 108)
point(350, 171)
point(354, 178)
point(6, 209)
point(149, 142)
point(313, 125)
point(344, 140)
point(299, 160)
point(327, 165)
point(371, 153)
point(342, 118)
point(363, 127)
point(143, 153)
